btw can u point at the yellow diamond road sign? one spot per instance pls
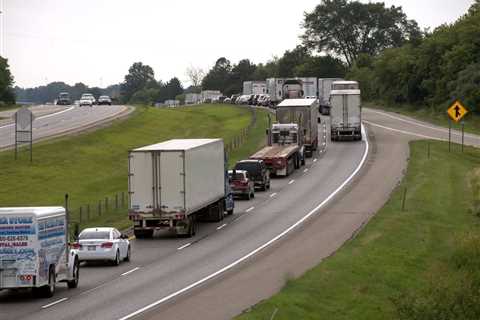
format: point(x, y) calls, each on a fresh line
point(457, 111)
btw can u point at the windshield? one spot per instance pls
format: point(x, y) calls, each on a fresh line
point(94, 235)
point(251, 167)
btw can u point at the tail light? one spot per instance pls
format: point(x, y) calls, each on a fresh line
point(76, 245)
point(107, 245)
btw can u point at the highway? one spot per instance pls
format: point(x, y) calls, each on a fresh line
point(61, 120)
point(235, 263)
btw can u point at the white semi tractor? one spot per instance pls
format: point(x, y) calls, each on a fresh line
point(175, 183)
point(34, 250)
point(346, 114)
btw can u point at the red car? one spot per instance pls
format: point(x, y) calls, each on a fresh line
point(241, 184)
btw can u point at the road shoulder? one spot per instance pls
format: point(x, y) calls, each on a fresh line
point(302, 250)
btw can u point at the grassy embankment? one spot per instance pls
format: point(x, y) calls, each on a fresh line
point(92, 166)
point(421, 263)
point(472, 121)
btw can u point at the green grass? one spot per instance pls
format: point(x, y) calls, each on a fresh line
point(92, 166)
point(472, 121)
point(398, 252)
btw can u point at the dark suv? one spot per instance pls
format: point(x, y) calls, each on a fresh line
point(257, 171)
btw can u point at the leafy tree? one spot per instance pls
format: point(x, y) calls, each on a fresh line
point(290, 60)
point(321, 66)
point(349, 28)
point(144, 96)
point(217, 78)
point(138, 77)
point(6, 81)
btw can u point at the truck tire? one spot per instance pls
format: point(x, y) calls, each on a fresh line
point(220, 211)
point(49, 290)
point(72, 284)
point(192, 229)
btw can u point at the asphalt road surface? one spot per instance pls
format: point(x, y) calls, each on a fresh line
point(63, 120)
point(247, 257)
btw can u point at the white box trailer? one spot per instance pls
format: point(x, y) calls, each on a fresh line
point(303, 112)
point(34, 250)
point(324, 88)
point(275, 89)
point(174, 183)
point(254, 87)
point(345, 85)
point(346, 114)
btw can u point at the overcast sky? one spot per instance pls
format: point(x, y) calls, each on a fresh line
point(95, 41)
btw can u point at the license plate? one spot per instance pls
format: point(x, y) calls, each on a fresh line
point(92, 248)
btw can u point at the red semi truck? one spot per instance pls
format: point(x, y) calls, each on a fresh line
point(284, 152)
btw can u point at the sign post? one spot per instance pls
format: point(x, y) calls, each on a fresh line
point(456, 113)
point(24, 129)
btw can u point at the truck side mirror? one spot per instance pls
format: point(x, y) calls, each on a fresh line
point(266, 132)
point(304, 132)
point(319, 120)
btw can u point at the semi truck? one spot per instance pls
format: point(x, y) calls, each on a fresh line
point(175, 183)
point(254, 87)
point(324, 88)
point(284, 151)
point(345, 85)
point(309, 86)
point(304, 112)
point(346, 114)
point(34, 250)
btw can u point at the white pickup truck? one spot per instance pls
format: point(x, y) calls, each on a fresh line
point(34, 250)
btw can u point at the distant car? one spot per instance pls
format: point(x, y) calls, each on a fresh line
point(243, 99)
point(234, 98)
point(64, 99)
point(241, 184)
point(104, 100)
point(98, 244)
point(257, 171)
point(88, 96)
point(85, 101)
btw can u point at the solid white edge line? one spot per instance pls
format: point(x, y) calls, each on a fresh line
point(222, 226)
point(54, 303)
point(291, 181)
point(252, 253)
point(444, 130)
point(184, 246)
point(315, 160)
point(405, 132)
point(273, 195)
point(128, 272)
point(43, 117)
point(249, 209)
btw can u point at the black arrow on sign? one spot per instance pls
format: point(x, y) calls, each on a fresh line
point(457, 112)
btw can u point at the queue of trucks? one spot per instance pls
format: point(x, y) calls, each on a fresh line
point(174, 184)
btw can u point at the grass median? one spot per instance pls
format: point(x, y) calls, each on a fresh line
point(419, 263)
point(93, 166)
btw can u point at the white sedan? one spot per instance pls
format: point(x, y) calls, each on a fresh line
point(109, 244)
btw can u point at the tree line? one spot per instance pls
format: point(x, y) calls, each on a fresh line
point(394, 61)
point(7, 94)
point(49, 92)
point(431, 72)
